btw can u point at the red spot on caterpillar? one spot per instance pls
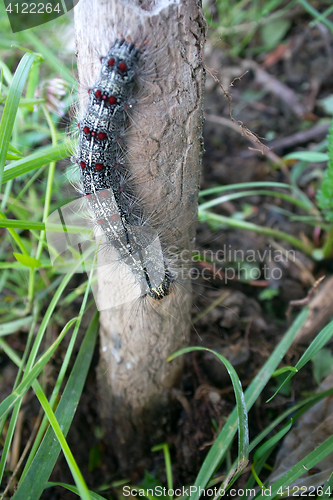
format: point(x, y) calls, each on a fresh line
point(115, 217)
point(93, 133)
point(89, 91)
point(111, 62)
point(112, 99)
point(99, 166)
point(122, 66)
point(101, 136)
point(104, 192)
point(104, 97)
point(100, 221)
point(82, 164)
point(88, 195)
point(98, 93)
point(78, 125)
point(86, 130)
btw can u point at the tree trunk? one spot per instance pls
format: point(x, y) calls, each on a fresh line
point(166, 139)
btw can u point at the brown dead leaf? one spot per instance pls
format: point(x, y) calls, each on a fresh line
point(276, 55)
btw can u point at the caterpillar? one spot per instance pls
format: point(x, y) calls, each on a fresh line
point(102, 171)
point(108, 188)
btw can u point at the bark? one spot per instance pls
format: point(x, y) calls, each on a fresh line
point(166, 139)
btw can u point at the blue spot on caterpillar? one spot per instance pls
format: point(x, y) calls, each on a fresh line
point(110, 194)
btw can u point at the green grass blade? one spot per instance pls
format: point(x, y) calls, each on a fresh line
point(69, 487)
point(76, 473)
point(11, 105)
point(22, 224)
point(49, 57)
point(28, 379)
point(311, 156)
point(34, 482)
point(271, 442)
point(60, 379)
point(17, 265)
point(243, 430)
point(318, 343)
point(168, 468)
point(327, 489)
point(301, 467)
point(41, 157)
point(9, 437)
point(224, 439)
point(309, 8)
point(11, 353)
point(243, 185)
point(206, 216)
point(253, 192)
point(14, 326)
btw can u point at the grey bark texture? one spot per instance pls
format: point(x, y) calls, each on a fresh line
point(165, 149)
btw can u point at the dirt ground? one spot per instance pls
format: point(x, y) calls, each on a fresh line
point(277, 98)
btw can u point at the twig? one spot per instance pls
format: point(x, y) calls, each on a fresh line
point(276, 88)
point(25, 451)
point(305, 301)
point(245, 132)
point(316, 132)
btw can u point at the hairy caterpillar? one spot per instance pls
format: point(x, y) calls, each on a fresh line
point(110, 199)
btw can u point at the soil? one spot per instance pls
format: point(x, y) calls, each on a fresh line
point(244, 327)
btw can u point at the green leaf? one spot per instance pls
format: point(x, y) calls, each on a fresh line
point(14, 150)
point(307, 156)
point(13, 153)
point(327, 104)
point(13, 156)
point(26, 260)
point(273, 32)
point(149, 481)
point(268, 294)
